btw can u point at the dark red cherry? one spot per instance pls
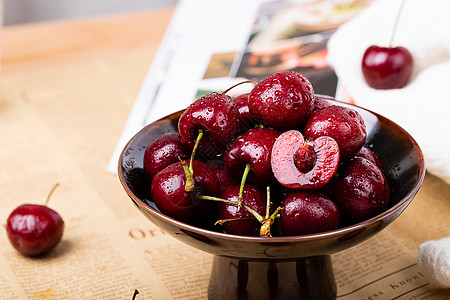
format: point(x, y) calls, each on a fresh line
point(161, 152)
point(283, 100)
point(170, 197)
point(306, 212)
point(254, 198)
point(345, 125)
point(301, 164)
point(225, 179)
point(254, 147)
point(387, 67)
point(369, 155)
point(34, 229)
point(217, 116)
point(360, 191)
point(321, 102)
point(246, 119)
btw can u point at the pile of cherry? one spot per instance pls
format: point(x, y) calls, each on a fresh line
point(278, 155)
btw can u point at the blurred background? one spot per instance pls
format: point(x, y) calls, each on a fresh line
point(26, 11)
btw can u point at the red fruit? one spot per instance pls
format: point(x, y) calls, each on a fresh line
point(253, 147)
point(343, 124)
point(168, 191)
point(360, 191)
point(225, 179)
point(283, 100)
point(34, 229)
point(161, 152)
point(301, 164)
point(253, 198)
point(306, 212)
point(217, 116)
point(369, 155)
point(246, 119)
point(386, 67)
point(320, 102)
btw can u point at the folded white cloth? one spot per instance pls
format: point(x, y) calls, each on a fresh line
point(422, 107)
point(433, 261)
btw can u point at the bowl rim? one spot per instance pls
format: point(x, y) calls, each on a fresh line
point(406, 200)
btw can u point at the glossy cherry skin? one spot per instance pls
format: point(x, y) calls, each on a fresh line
point(34, 229)
point(254, 198)
point(246, 119)
point(225, 179)
point(217, 116)
point(283, 100)
point(301, 164)
point(168, 192)
point(345, 125)
point(320, 102)
point(307, 212)
point(386, 67)
point(360, 191)
point(163, 151)
point(369, 155)
point(254, 147)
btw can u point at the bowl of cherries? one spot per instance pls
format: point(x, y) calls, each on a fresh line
point(272, 182)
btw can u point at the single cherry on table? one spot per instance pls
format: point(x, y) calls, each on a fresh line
point(34, 229)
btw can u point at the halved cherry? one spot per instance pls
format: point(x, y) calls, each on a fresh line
point(301, 164)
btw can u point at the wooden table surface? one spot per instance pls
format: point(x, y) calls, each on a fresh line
point(32, 46)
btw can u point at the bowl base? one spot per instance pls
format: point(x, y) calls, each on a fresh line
point(306, 278)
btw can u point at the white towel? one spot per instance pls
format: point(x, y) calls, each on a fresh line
point(422, 107)
point(433, 260)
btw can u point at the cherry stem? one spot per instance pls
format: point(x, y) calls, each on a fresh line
point(243, 180)
point(253, 212)
point(396, 23)
point(136, 292)
point(265, 228)
point(50, 193)
point(189, 171)
point(237, 84)
point(268, 203)
point(223, 221)
point(189, 186)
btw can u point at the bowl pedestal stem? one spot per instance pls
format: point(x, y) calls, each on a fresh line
point(306, 278)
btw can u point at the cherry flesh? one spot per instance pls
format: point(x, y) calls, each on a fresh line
point(301, 164)
point(306, 212)
point(161, 152)
point(217, 116)
point(254, 198)
point(170, 196)
point(386, 67)
point(254, 147)
point(283, 100)
point(34, 229)
point(360, 191)
point(345, 125)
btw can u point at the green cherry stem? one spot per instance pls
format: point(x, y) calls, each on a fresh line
point(253, 212)
point(243, 180)
point(189, 171)
point(50, 193)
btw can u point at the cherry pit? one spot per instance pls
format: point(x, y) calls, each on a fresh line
point(276, 161)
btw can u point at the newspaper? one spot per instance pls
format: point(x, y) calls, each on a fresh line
point(109, 249)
